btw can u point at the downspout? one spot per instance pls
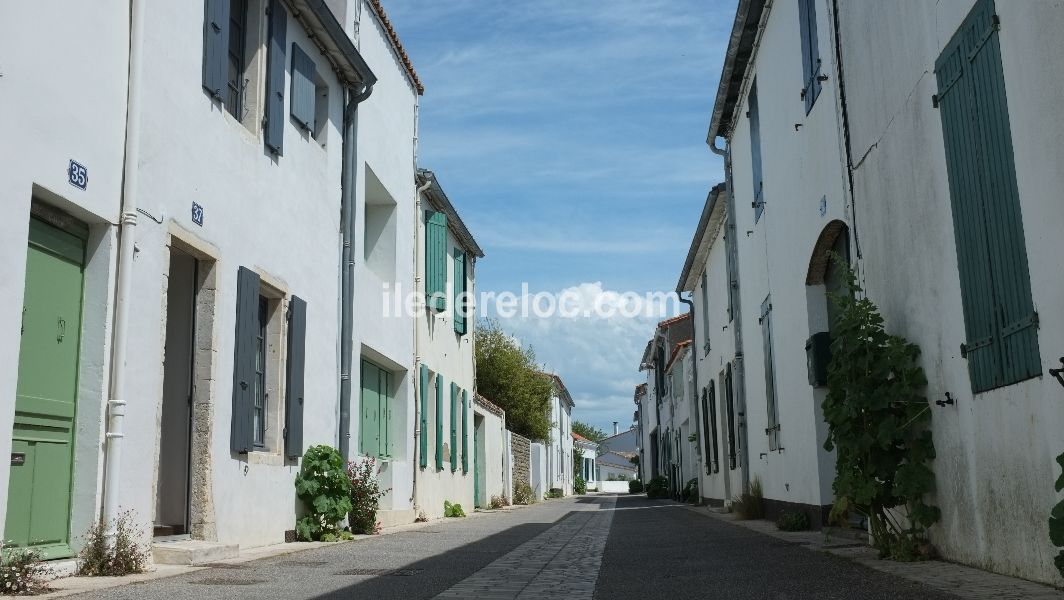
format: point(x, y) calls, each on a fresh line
point(348, 180)
point(845, 124)
point(417, 358)
point(116, 404)
point(739, 371)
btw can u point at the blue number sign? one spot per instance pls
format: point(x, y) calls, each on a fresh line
point(78, 175)
point(197, 214)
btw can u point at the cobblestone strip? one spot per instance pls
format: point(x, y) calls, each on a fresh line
point(562, 561)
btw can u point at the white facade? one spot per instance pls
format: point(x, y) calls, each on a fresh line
point(588, 453)
point(559, 448)
point(455, 436)
point(494, 472)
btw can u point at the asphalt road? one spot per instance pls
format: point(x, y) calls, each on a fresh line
point(639, 549)
point(658, 549)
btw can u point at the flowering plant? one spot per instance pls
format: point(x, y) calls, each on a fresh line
point(123, 555)
point(366, 493)
point(21, 572)
point(322, 485)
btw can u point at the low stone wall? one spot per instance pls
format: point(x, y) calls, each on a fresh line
point(520, 450)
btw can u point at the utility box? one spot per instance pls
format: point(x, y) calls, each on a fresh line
point(818, 356)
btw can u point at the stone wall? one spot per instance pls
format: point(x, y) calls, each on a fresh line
point(520, 448)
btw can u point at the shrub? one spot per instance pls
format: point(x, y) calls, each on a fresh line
point(635, 486)
point(580, 486)
point(523, 494)
point(658, 487)
point(751, 504)
point(555, 493)
point(498, 502)
point(879, 428)
point(366, 493)
point(21, 572)
point(793, 521)
point(124, 556)
point(452, 510)
point(690, 490)
point(324, 488)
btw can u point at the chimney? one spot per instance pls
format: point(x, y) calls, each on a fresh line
point(615, 431)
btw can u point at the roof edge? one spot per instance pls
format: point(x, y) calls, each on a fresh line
point(320, 22)
point(712, 200)
point(736, 60)
point(439, 200)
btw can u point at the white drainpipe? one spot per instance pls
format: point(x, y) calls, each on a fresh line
point(123, 295)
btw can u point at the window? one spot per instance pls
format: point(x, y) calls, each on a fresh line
point(709, 426)
point(261, 396)
point(376, 409)
point(729, 406)
point(238, 21)
point(705, 313)
point(460, 290)
point(454, 427)
point(810, 52)
point(439, 422)
point(755, 153)
point(310, 95)
point(773, 429)
point(1000, 322)
point(435, 259)
point(379, 233)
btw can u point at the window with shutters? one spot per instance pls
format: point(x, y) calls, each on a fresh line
point(460, 301)
point(1001, 344)
point(773, 428)
point(455, 394)
point(310, 95)
point(709, 427)
point(754, 115)
point(232, 44)
point(705, 314)
point(376, 405)
point(729, 409)
point(423, 422)
point(438, 414)
point(435, 259)
point(810, 53)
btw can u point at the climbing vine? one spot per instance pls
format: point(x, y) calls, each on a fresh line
point(879, 426)
point(1056, 520)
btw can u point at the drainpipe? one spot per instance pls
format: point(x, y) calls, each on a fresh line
point(116, 404)
point(739, 371)
point(348, 179)
point(417, 358)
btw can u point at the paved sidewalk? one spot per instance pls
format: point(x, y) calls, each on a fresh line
point(958, 580)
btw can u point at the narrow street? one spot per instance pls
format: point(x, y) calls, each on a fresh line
point(609, 547)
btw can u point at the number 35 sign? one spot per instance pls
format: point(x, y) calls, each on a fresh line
point(78, 175)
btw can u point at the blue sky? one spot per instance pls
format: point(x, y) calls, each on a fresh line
point(571, 138)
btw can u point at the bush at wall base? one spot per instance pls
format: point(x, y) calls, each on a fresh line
point(523, 494)
point(124, 556)
point(635, 486)
point(22, 573)
point(658, 487)
point(580, 486)
point(325, 490)
point(452, 510)
point(366, 494)
point(555, 493)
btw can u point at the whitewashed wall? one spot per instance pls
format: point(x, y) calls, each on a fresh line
point(496, 464)
point(995, 450)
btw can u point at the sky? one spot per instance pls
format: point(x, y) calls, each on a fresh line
point(570, 135)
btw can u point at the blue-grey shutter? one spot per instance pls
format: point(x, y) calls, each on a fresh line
point(303, 75)
point(705, 314)
point(1001, 343)
point(296, 366)
point(215, 47)
point(707, 450)
point(810, 52)
point(241, 438)
point(275, 65)
point(773, 429)
point(459, 292)
point(755, 153)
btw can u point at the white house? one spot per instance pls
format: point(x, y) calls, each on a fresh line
point(493, 466)
point(777, 113)
point(450, 436)
point(959, 220)
point(559, 447)
point(587, 452)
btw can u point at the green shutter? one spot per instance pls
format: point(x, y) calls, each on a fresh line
point(459, 292)
point(435, 259)
point(423, 440)
point(370, 409)
point(1001, 343)
point(385, 391)
point(465, 431)
point(454, 427)
point(439, 422)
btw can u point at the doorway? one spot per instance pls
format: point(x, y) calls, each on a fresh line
point(42, 461)
point(478, 461)
point(172, 501)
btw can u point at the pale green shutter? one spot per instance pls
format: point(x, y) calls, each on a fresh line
point(465, 431)
point(439, 422)
point(370, 410)
point(435, 259)
point(1001, 343)
point(423, 440)
point(459, 292)
point(454, 427)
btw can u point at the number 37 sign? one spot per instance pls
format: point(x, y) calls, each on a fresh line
point(78, 175)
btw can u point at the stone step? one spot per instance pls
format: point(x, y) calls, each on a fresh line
point(191, 552)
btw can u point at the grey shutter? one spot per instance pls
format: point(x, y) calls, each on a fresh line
point(241, 437)
point(707, 451)
point(296, 366)
point(215, 46)
point(713, 425)
point(275, 64)
point(1001, 343)
point(303, 75)
point(773, 429)
point(810, 52)
point(755, 153)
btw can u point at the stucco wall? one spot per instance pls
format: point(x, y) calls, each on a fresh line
point(495, 457)
point(995, 450)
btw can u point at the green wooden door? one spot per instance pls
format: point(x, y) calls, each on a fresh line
point(38, 505)
point(476, 466)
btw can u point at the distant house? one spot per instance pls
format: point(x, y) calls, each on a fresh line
point(559, 447)
point(586, 452)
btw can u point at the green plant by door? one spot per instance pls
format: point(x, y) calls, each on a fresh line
point(879, 427)
point(323, 486)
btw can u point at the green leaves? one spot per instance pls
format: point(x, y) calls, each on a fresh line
point(1056, 520)
point(508, 375)
point(323, 486)
point(879, 426)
